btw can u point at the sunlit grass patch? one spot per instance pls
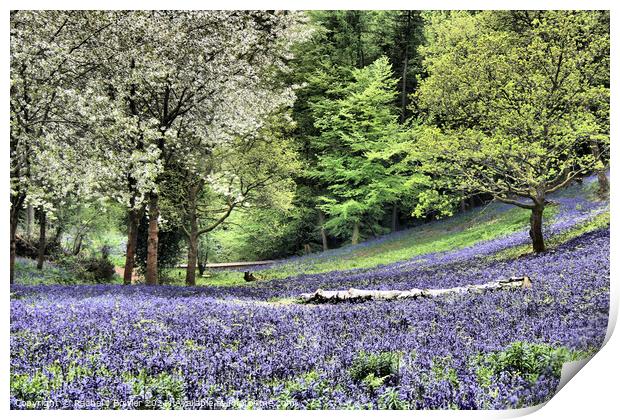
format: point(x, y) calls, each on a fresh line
point(444, 235)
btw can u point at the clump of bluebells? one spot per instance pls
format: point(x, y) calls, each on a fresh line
point(158, 347)
point(107, 346)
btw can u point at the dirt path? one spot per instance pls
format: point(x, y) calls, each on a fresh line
point(234, 264)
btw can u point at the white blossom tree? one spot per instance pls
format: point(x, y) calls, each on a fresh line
point(49, 59)
point(166, 74)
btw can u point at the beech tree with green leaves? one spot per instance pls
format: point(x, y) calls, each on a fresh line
point(509, 104)
point(357, 123)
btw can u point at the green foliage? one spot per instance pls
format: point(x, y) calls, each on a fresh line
point(442, 370)
point(100, 270)
point(341, 42)
point(163, 391)
point(295, 387)
point(358, 123)
point(258, 234)
point(527, 360)
point(373, 382)
point(375, 369)
point(26, 273)
point(391, 400)
point(499, 120)
point(34, 389)
point(66, 270)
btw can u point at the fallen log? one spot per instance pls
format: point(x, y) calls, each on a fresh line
point(360, 295)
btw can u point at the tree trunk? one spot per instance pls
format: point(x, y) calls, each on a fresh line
point(192, 237)
point(603, 181)
point(201, 269)
point(152, 241)
point(77, 244)
point(355, 237)
point(395, 217)
point(323, 233)
point(16, 206)
point(536, 219)
point(132, 240)
point(29, 221)
point(203, 258)
point(13, 251)
point(360, 48)
point(42, 223)
point(360, 295)
point(192, 253)
point(58, 234)
point(463, 205)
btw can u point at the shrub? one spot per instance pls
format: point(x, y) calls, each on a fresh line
point(375, 369)
point(89, 270)
point(527, 360)
point(99, 270)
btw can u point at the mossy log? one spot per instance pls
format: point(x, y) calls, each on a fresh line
point(359, 295)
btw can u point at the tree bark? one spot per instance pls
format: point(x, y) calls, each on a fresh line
point(355, 236)
point(152, 241)
point(58, 234)
point(360, 49)
point(323, 233)
point(536, 219)
point(42, 225)
point(192, 253)
point(201, 269)
point(359, 295)
point(394, 217)
point(463, 205)
point(16, 206)
point(13, 251)
point(132, 240)
point(77, 244)
point(203, 258)
point(603, 181)
point(29, 221)
point(192, 235)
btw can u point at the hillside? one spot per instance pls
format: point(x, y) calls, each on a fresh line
point(496, 230)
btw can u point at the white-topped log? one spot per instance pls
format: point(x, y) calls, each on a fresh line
point(361, 295)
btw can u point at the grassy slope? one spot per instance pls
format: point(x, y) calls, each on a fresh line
point(460, 231)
